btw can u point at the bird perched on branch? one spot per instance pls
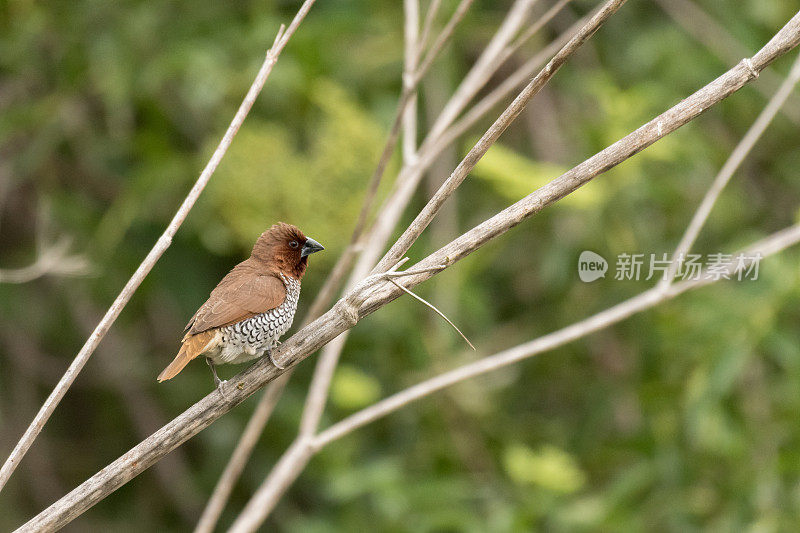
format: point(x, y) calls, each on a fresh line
point(252, 306)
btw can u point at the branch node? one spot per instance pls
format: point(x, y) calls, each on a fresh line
point(748, 63)
point(348, 311)
point(278, 37)
point(397, 265)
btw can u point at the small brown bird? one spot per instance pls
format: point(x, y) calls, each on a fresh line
point(252, 306)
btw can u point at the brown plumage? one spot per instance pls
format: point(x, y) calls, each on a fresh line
point(252, 306)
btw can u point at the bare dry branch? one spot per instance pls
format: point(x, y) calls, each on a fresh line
point(427, 26)
point(364, 300)
point(52, 259)
point(441, 41)
point(411, 28)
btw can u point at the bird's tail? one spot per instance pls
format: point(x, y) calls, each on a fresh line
point(192, 347)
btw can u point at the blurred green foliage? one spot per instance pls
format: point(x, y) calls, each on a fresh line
point(682, 418)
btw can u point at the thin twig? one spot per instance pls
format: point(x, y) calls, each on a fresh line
point(534, 29)
point(51, 260)
point(441, 41)
point(411, 32)
point(427, 26)
point(412, 272)
point(424, 301)
point(359, 303)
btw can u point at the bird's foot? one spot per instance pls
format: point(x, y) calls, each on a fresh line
point(218, 383)
point(273, 361)
point(220, 388)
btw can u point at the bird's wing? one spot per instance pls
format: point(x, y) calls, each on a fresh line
point(243, 293)
point(240, 295)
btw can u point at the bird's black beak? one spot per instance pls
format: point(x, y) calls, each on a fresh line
point(310, 247)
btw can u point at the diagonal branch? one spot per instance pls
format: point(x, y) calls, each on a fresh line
point(365, 299)
point(155, 253)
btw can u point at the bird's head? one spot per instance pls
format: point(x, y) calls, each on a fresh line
point(283, 247)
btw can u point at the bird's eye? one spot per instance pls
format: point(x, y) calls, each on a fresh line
point(294, 244)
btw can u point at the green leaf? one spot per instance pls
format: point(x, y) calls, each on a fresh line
point(550, 467)
point(515, 176)
point(352, 388)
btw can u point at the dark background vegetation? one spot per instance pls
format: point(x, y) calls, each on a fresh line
point(682, 418)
